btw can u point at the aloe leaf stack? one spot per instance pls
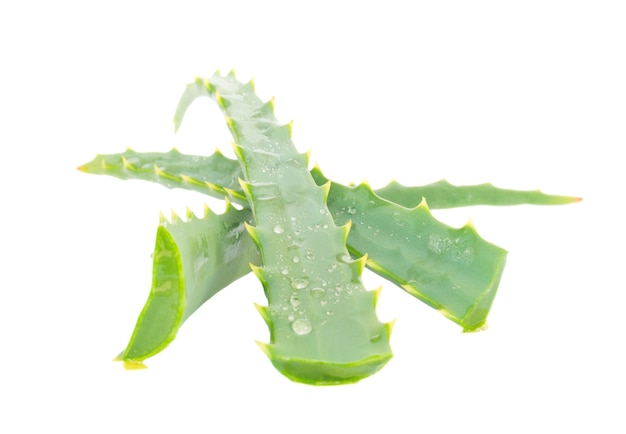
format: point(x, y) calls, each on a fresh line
point(307, 239)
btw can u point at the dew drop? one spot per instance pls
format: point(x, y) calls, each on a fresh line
point(294, 301)
point(301, 326)
point(291, 317)
point(294, 245)
point(278, 229)
point(351, 210)
point(299, 283)
point(284, 271)
point(317, 292)
point(323, 302)
point(296, 259)
point(330, 313)
point(309, 254)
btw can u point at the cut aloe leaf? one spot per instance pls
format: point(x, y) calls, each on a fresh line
point(322, 321)
point(192, 261)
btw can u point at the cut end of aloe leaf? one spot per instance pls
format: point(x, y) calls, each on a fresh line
point(133, 365)
point(475, 318)
point(320, 373)
point(130, 365)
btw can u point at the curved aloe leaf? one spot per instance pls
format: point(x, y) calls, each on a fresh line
point(185, 260)
point(322, 321)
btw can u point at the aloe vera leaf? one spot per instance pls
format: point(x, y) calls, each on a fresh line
point(322, 321)
point(453, 270)
point(186, 256)
point(442, 195)
point(216, 176)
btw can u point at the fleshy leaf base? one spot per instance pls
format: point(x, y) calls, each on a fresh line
point(320, 373)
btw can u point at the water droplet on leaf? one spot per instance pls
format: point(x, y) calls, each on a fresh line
point(301, 326)
point(299, 283)
point(294, 301)
point(317, 292)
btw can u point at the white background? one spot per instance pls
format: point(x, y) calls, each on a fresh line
point(522, 94)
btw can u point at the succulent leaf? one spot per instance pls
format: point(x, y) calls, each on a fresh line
point(186, 259)
point(442, 195)
point(453, 270)
point(215, 175)
point(322, 320)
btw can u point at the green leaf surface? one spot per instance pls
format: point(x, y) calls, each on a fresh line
point(452, 270)
point(186, 260)
point(322, 321)
point(442, 194)
point(214, 175)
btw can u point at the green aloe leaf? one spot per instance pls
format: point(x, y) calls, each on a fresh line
point(322, 321)
point(186, 258)
point(452, 270)
point(215, 175)
point(442, 194)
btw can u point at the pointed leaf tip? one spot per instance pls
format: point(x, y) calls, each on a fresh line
point(470, 225)
point(266, 348)
point(377, 293)
point(326, 190)
point(258, 271)
point(389, 327)
point(423, 204)
point(264, 311)
point(127, 165)
point(346, 230)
